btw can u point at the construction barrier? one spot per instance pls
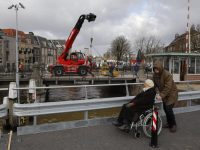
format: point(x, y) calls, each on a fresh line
point(154, 141)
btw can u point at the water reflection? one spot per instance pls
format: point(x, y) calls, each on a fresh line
point(80, 93)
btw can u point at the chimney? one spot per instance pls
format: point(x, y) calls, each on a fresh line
point(176, 35)
point(31, 33)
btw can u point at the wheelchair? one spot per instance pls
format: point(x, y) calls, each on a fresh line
point(145, 120)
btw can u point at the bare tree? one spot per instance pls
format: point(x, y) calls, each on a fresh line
point(148, 45)
point(120, 46)
point(107, 54)
point(198, 28)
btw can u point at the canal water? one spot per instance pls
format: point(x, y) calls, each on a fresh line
point(71, 94)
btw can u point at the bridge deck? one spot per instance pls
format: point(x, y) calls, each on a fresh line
point(108, 137)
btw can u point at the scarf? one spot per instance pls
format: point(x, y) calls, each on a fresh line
point(145, 89)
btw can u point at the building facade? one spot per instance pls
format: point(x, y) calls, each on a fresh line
point(7, 52)
point(179, 43)
point(25, 48)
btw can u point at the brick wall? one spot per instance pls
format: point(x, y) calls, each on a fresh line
point(193, 77)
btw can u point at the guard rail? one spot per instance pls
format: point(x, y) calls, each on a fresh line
point(36, 109)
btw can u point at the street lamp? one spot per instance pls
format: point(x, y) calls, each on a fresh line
point(16, 7)
point(126, 62)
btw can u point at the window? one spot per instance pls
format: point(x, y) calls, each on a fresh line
point(175, 60)
point(1, 61)
point(6, 44)
point(191, 69)
point(7, 53)
point(197, 66)
point(1, 47)
point(44, 43)
point(42, 50)
point(166, 63)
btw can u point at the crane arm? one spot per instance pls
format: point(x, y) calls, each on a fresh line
point(73, 35)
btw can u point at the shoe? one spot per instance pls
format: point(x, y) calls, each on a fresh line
point(125, 128)
point(174, 128)
point(116, 123)
point(166, 126)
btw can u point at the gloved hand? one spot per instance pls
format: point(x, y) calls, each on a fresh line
point(129, 105)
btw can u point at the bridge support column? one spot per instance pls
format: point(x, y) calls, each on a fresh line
point(92, 81)
point(74, 82)
point(12, 99)
point(56, 81)
point(6, 124)
point(32, 94)
point(109, 81)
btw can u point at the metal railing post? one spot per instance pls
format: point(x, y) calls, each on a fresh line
point(86, 115)
point(85, 92)
point(127, 92)
point(188, 101)
point(35, 117)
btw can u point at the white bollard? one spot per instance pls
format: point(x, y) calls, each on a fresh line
point(12, 93)
point(32, 92)
point(32, 84)
point(6, 101)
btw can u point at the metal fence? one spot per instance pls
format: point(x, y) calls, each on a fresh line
point(86, 105)
point(27, 70)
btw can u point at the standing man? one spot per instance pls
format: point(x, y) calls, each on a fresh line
point(111, 69)
point(136, 69)
point(20, 70)
point(168, 93)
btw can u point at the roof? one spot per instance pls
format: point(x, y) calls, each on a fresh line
point(174, 54)
point(61, 42)
point(12, 32)
point(181, 37)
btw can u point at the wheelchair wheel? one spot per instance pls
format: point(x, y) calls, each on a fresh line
point(137, 134)
point(147, 124)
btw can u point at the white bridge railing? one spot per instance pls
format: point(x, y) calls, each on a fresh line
point(36, 109)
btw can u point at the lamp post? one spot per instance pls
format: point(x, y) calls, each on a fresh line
point(16, 7)
point(126, 62)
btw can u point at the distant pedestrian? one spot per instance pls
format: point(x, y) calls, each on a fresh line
point(20, 70)
point(20, 67)
point(136, 68)
point(112, 69)
point(168, 93)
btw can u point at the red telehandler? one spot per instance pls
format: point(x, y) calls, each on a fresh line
point(75, 63)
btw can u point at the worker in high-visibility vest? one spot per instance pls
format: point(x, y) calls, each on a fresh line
point(20, 69)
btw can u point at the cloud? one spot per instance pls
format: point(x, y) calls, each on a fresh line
point(56, 19)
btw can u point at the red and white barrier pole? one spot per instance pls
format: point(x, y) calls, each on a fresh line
point(154, 141)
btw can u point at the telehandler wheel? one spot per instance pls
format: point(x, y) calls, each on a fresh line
point(82, 71)
point(58, 71)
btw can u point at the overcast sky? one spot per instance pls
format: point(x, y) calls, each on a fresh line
point(54, 19)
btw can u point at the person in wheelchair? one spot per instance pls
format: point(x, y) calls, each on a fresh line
point(131, 111)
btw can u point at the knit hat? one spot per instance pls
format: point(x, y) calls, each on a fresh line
point(149, 82)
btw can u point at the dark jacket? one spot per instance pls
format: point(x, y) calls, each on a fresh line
point(142, 102)
point(112, 68)
point(165, 84)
